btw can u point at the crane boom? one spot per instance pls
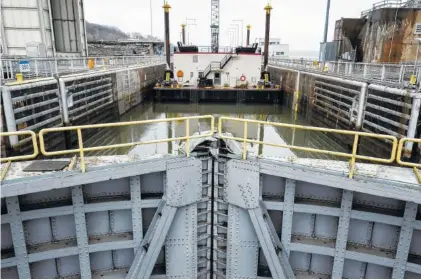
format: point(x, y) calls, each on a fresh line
point(215, 25)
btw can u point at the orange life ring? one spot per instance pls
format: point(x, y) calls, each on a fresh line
point(242, 78)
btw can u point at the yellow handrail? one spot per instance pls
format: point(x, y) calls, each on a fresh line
point(415, 166)
point(34, 144)
point(81, 149)
point(352, 156)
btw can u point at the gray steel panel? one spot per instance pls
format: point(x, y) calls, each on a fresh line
point(277, 221)
point(52, 254)
point(357, 256)
point(108, 246)
point(106, 206)
point(46, 196)
point(336, 179)
point(242, 245)
point(123, 258)
point(378, 218)
point(314, 249)
point(184, 182)
point(316, 209)
point(274, 205)
point(300, 261)
point(353, 269)
point(68, 266)
point(18, 237)
point(107, 188)
point(405, 237)
point(326, 227)
point(9, 273)
point(101, 261)
point(63, 227)
point(38, 231)
point(46, 213)
point(121, 221)
point(136, 205)
point(415, 247)
point(411, 275)
point(287, 216)
point(360, 232)
point(152, 183)
point(9, 262)
point(74, 178)
point(273, 186)
point(342, 234)
point(6, 237)
point(315, 191)
point(321, 264)
point(412, 267)
point(377, 271)
point(417, 225)
point(81, 232)
point(378, 201)
point(242, 188)
point(5, 218)
point(385, 236)
point(181, 244)
point(303, 224)
point(98, 223)
point(44, 269)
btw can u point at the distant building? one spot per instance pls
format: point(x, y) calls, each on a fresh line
point(276, 49)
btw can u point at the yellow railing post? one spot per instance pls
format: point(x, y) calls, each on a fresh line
point(81, 151)
point(354, 154)
point(245, 141)
point(188, 137)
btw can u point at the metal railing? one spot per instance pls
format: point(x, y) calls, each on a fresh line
point(391, 4)
point(352, 156)
point(81, 149)
point(396, 152)
point(388, 73)
point(49, 67)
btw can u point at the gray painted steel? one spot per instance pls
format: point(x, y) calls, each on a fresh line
point(259, 218)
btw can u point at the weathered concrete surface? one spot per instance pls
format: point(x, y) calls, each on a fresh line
point(380, 38)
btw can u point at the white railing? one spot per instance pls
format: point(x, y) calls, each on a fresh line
point(49, 67)
point(398, 74)
point(392, 4)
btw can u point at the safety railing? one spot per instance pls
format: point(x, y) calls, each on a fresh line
point(391, 4)
point(352, 156)
point(399, 160)
point(396, 152)
point(387, 73)
point(81, 150)
point(9, 160)
point(30, 68)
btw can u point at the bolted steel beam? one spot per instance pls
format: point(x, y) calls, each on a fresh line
point(148, 251)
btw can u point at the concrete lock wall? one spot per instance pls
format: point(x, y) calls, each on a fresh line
point(73, 99)
point(344, 104)
point(93, 224)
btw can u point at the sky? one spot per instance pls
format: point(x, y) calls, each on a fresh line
point(299, 23)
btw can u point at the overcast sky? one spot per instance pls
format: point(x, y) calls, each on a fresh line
point(298, 23)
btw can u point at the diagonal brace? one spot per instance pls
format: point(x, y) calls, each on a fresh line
point(148, 251)
point(278, 263)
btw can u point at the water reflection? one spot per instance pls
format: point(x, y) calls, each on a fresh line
point(272, 113)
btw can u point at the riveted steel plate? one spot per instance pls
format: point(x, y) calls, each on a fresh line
point(123, 258)
point(101, 261)
point(68, 266)
point(44, 269)
point(354, 269)
point(242, 185)
point(63, 227)
point(6, 237)
point(47, 165)
point(184, 182)
point(98, 223)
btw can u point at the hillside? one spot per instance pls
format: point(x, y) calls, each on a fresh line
point(98, 32)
